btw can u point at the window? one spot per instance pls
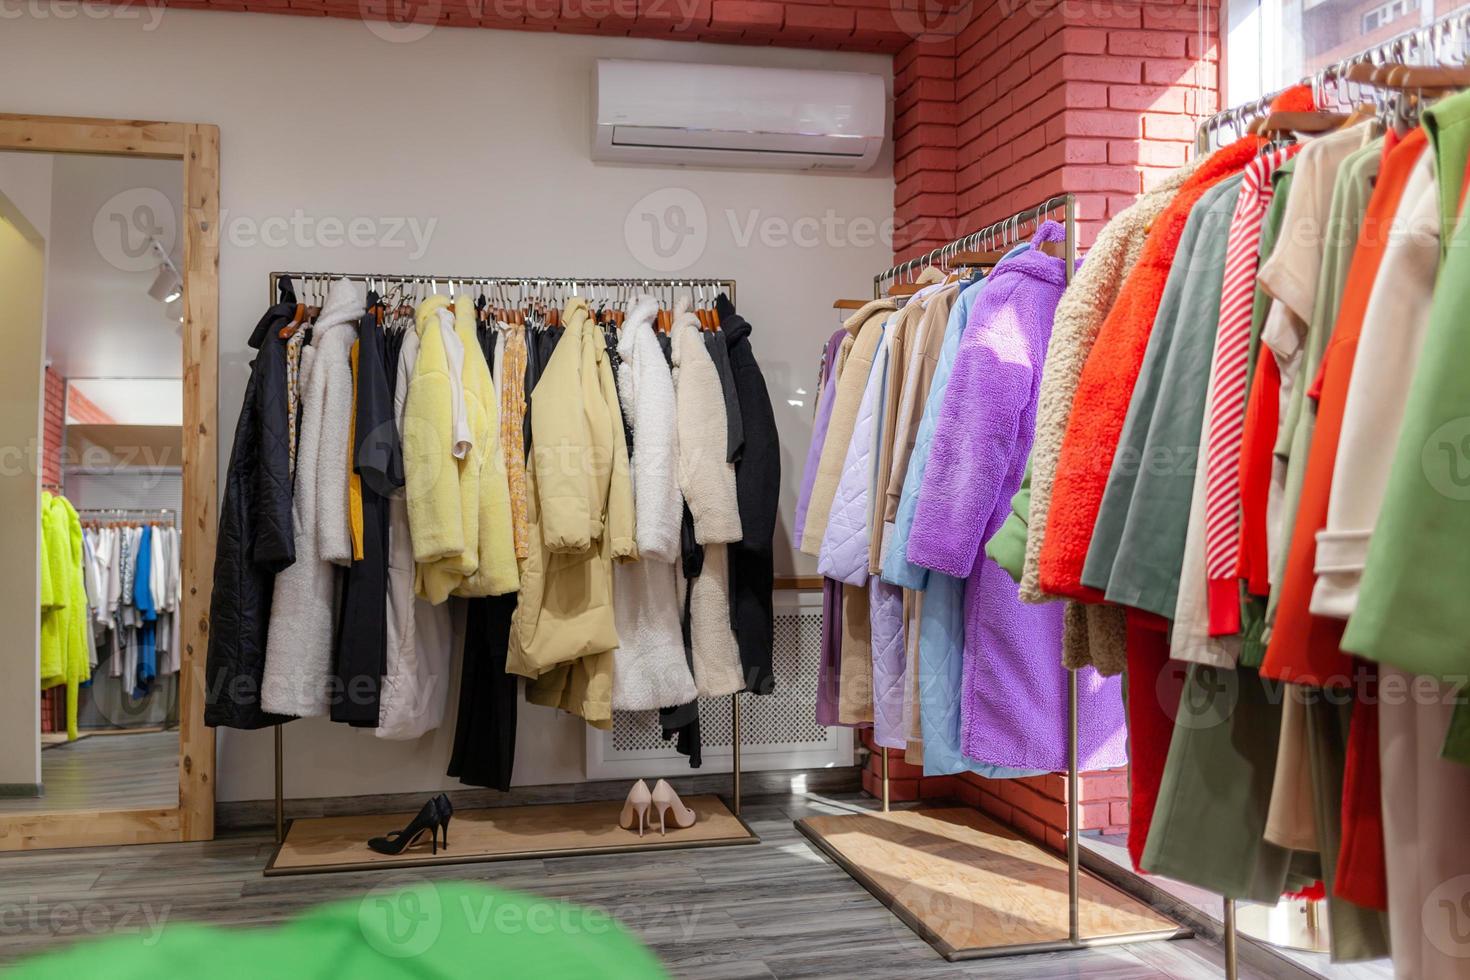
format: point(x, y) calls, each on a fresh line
point(1272, 43)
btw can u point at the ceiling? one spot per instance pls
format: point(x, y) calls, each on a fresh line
point(100, 320)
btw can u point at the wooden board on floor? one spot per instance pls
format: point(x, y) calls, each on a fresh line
point(972, 887)
point(499, 834)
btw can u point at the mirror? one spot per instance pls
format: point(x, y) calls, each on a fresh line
point(99, 239)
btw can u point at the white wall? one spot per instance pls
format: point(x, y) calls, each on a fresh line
point(485, 135)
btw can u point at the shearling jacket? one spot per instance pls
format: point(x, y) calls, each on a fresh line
point(866, 326)
point(458, 495)
point(706, 476)
point(650, 667)
point(256, 538)
point(298, 663)
point(580, 516)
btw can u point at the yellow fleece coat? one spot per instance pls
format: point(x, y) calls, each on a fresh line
point(580, 518)
point(65, 630)
point(458, 509)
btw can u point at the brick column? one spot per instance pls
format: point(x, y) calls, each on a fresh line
point(1096, 97)
point(998, 105)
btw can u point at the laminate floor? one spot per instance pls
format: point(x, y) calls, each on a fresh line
point(107, 772)
point(776, 909)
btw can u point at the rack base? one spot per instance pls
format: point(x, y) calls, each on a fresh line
point(324, 844)
point(973, 888)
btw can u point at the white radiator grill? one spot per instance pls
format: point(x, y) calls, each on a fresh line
point(778, 731)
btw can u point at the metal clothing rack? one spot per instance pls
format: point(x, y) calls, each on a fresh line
point(1422, 43)
point(1000, 236)
point(517, 289)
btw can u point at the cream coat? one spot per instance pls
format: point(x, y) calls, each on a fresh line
point(866, 326)
point(416, 682)
point(706, 476)
point(580, 515)
point(298, 652)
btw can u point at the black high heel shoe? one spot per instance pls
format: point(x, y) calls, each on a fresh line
point(398, 841)
point(446, 810)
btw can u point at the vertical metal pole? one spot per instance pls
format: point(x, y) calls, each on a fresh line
point(280, 790)
point(885, 779)
point(1074, 904)
point(1074, 925)
point(735, 747)
point(1230, 952)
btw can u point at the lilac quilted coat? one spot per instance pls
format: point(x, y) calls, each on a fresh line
point(1014, 698)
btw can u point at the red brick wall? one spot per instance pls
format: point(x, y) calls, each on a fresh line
point(1035, 805)
point(53, 428)
point(1028, 100)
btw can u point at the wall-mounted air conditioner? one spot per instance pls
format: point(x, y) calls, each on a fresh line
point(729, 116)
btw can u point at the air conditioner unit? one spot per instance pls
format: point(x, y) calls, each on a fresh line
point(728, 116)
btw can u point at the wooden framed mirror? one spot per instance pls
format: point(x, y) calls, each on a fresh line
point(196, 148)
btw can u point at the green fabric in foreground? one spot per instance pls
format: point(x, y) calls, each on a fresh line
point(419, 931)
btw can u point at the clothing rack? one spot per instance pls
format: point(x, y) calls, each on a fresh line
point(526, 288)
point(1424, 43)
point(1002, 235)
point(519, 289)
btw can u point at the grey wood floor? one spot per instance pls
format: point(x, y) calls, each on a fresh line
point(107, 772)
point(778, 909)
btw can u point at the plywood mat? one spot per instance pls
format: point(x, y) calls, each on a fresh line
point(498, 834)
point(969, 885)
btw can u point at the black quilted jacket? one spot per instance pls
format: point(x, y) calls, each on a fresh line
point(757, 472)
point(256, 539)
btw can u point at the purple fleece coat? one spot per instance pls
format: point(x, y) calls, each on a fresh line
point(1014, 701)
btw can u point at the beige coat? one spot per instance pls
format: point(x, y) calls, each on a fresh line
point(1093, 634)
point(866, 327)
point(580, 516)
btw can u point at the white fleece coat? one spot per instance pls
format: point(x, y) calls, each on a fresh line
point(708, 482)
point(416, 681)
point(298, 651)
point(650, 670)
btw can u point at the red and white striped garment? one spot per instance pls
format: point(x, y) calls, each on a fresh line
point(1227, 411)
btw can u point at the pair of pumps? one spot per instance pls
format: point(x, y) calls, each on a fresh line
point(664, 802)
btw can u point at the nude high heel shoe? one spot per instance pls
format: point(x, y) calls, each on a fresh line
point(665, 799)
point(636, 806)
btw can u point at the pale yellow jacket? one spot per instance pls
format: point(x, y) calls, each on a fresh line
point(580, 515)
point(458, 508)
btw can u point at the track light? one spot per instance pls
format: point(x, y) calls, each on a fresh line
point(168, 285)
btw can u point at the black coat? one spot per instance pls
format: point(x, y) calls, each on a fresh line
point(757, 474)
point(256, 537)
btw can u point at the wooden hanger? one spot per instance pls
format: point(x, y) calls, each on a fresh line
point(1285, 123)
point(904, 289)
point(297, 319)
point(850, 304)
point(1435, 77)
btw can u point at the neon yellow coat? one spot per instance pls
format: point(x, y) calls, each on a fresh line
point(65, 629)
point(458, 507)
point(580, 514)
